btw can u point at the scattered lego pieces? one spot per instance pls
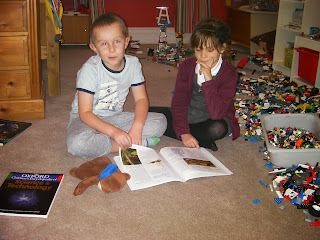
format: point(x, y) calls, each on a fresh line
point(300, 185)
point(271, 94)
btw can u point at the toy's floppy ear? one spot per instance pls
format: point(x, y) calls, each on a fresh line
point(127, 175)
point(73, 172)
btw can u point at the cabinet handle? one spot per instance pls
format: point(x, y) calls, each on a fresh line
point(3, 109)
point(11, 83)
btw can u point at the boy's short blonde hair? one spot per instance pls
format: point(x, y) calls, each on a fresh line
point(106, 20)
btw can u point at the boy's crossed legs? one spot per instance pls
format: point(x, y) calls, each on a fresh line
point(82, 140)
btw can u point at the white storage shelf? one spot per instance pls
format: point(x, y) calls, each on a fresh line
point(307, 43)
point(286, 34)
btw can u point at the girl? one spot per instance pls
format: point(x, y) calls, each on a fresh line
point(202, 109)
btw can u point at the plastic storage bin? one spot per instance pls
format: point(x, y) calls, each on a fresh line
point(292, 157)
point(308, 63)
point(264, 5)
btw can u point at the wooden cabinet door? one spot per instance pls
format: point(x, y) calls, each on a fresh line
point(239, 23)
point(15, 85)
point(13, 16)
point(76, 29)
point(14, 52)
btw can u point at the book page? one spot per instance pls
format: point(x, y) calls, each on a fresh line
point(193, 163)
point(146, 167)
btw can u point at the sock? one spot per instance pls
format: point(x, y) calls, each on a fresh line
point(209, 144)
point(213, 146)
point(150, 142)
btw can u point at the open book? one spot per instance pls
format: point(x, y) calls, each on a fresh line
point(149, 168)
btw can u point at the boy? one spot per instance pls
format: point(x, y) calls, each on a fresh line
point(97, 123)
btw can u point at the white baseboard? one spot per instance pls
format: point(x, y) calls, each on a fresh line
point(150, 35)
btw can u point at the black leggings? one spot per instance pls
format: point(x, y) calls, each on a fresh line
point(209, 130)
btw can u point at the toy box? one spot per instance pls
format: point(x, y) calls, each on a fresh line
point(308, 63)
point(264, 5)
point(291, 157)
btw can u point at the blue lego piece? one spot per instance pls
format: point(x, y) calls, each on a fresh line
point(256, 201)
point(253, 139)
point(278, 200)
point(294, 202)
point(269, 165)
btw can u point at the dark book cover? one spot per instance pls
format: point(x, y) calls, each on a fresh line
point(29, 194)
point(10, 129)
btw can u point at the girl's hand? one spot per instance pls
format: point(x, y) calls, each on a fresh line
point(122, 138)
point(190, 141)
point(205, 70)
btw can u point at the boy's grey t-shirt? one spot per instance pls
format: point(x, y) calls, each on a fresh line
point(109, 88)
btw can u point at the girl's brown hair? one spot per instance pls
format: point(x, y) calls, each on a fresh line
point(212, 33)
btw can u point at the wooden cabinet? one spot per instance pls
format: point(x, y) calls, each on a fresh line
point(22, 90)
point(76, 29)
point(246, 24)
point(286, 33)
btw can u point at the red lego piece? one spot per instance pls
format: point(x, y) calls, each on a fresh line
point(290, 98)
point(286, 197)
point(316, 223)
point(243, 62)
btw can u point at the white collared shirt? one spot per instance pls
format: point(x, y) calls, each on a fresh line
point(214, 71)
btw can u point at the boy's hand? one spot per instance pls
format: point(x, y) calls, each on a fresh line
point(205, 70)
point(136, 136)
point(190, 141)
point(122, 138)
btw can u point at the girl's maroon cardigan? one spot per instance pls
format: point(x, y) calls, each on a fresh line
point(218, 93)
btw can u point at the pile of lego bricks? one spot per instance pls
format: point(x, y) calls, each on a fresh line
point(275, 94)
point(300, 185)
point(292, 138)
point(271, 95)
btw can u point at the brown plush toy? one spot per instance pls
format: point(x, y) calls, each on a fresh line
point(99, 171)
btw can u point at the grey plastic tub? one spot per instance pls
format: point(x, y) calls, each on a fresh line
point(291, 157)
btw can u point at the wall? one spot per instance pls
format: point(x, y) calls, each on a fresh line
point(143, 13)
point(140, 16)
point(219, 9)
point(136, 13)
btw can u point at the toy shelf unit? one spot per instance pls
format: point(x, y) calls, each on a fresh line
point(305, 42)
point(294, 18)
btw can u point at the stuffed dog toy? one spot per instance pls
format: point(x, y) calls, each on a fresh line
point(99, 171)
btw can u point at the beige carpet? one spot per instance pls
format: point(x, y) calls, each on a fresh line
point(206, 208)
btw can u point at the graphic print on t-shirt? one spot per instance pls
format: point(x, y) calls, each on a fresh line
point(108, 97)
